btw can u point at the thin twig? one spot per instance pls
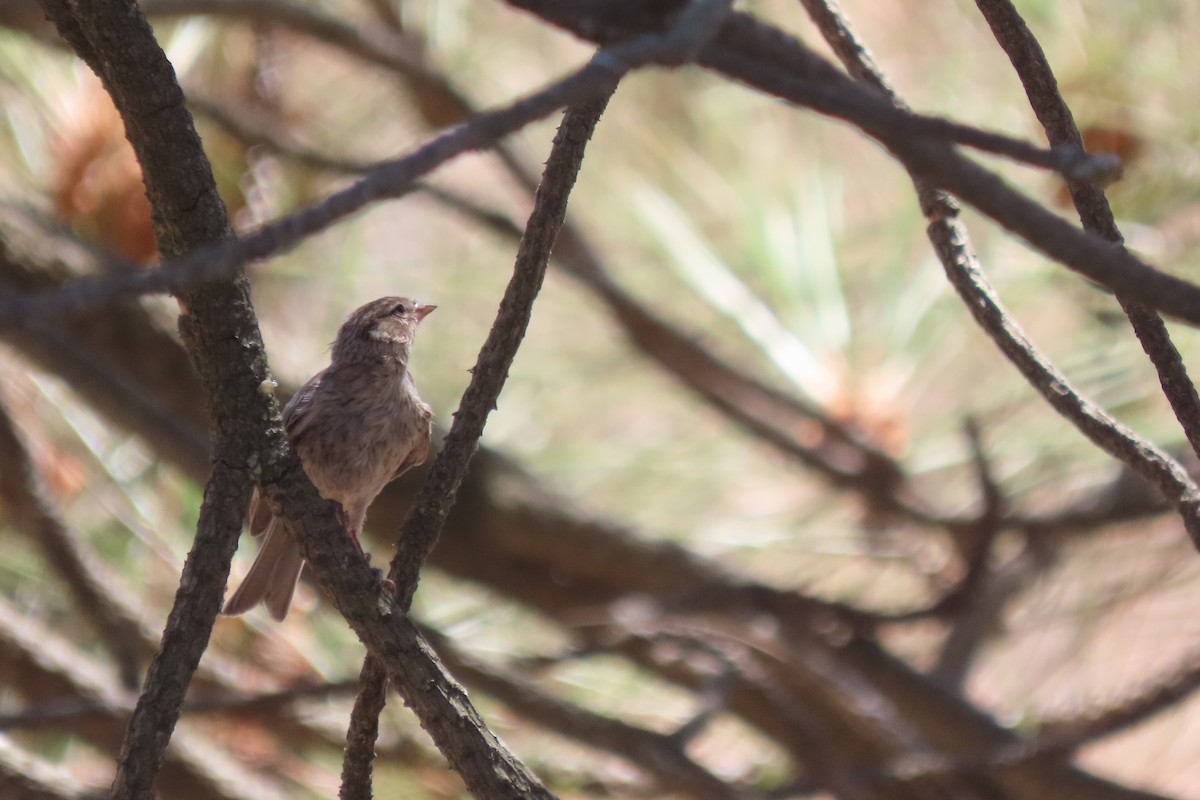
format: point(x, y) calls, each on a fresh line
point(424, 523)
point(1111, 436)
point(737, 51)
point(1052, 111)
point(954, 250)
point(839, 455)
point(261, 129)
point(219, 328)
point(363, 732)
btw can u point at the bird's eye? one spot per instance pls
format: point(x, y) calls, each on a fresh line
point(400, 310)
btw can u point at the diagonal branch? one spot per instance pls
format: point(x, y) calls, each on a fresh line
point(222, 337)
point(391, 179)
point(839, 455)
point(953, 247)
point(744, 49)
point(424, 523)
point(1052, 111)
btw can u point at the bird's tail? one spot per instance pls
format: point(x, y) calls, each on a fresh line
point(272, 577)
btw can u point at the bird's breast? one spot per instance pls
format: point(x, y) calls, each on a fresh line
point(365, 433)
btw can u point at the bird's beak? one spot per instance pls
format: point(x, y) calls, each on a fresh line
point(422, 310)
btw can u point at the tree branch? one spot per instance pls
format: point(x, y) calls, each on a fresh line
point(222, 337)
point(952, 245)
point(841, 456)
point(1052, 111)
point(424, 523)
point(389, 180)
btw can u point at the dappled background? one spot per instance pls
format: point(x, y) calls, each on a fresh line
point(981, 550)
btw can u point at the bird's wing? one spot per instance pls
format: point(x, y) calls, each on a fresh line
point(415, 458)
point(420, 450)
point(260, 514)
point(297, 419)
point(297, 414)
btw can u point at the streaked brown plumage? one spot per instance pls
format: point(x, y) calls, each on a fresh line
point(356, 425)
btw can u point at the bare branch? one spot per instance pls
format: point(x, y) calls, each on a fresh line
point(421, 528)
point(359, 757)
point(118, 44)
point(952, 244)
point(1052, 111)
point(841, 456)
point(424, 523)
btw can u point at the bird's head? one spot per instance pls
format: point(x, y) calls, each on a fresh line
point(381, 329)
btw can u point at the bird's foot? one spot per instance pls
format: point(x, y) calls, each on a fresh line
point(389, 585)
point(344, 519)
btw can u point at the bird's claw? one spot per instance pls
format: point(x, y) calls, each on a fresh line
point(344, 520)
point(389, 585)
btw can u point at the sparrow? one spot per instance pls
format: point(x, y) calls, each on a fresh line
point(356, 425)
